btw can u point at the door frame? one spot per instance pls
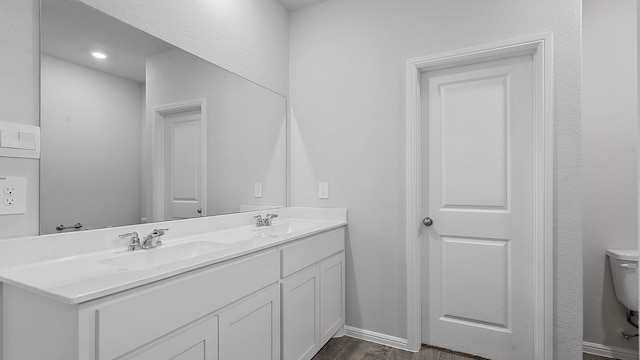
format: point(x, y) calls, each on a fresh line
point(540, 47)
point(157, 151)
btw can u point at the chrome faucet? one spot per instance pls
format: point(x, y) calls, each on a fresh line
point(152, 240)
point(266, 221)
point(134, 241)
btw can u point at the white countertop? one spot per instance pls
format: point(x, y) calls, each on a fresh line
point(87, 276)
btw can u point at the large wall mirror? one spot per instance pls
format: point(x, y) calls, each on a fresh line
point(148, 132)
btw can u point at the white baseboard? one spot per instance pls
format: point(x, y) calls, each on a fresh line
point(375, 337)
point(398, 343)
point(609, 351)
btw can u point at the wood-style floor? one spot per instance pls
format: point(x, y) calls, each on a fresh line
point(594, 357)
point(347, 348)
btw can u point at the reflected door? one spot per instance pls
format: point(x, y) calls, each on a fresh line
point(183, 165)
point(478, 190)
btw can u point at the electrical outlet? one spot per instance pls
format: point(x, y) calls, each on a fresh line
point(13, 195)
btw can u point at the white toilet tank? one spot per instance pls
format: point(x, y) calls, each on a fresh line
point(624, 270)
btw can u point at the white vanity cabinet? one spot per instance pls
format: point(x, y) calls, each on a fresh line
point(280, 302)
point(195, 315)
point(312, 293)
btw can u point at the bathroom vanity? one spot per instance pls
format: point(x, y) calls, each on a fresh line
point(214, 290)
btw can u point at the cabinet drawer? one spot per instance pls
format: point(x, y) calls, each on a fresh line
point(125, 324)
point(303, 253)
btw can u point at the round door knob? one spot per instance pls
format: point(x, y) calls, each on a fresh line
point(427, 221)
point(199, 211)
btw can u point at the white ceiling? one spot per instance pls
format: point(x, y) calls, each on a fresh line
point(297, 4)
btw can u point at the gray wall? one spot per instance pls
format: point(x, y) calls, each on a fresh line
point(20, 100)
point(88, 177)
point(609, 152)
point(347, 61)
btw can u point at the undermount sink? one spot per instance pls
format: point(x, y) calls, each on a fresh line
point(147, 259)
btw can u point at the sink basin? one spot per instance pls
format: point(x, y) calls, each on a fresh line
point(147, 259)
point(284, 228)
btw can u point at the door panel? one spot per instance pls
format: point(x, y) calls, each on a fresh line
point(478, 292)
point(477, 173)
point(474, 106)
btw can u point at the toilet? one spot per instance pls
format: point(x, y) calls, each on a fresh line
point(624, 270)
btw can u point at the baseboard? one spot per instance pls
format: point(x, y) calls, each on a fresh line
point(609, 351)
point(375, 337)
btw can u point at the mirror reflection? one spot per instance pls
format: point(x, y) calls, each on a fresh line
point(137, 130)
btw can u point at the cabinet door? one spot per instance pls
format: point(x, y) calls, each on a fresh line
point(195, 342)
point(331, 296)
point(250, 329)
point(301, 313)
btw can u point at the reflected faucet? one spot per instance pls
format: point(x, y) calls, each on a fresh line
point(152, 240)
point(266, 221)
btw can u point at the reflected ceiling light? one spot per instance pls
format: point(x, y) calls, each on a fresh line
point(99, 55)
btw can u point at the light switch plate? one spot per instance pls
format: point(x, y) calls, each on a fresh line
point(19, 140)
point(13, 195)
point(257, 190)
point(27, 141)
point(9, 139)
point(323, 190)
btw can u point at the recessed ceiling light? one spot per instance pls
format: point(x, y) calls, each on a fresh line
point(99, 55)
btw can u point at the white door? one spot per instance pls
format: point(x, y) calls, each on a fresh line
point(182, 165)
point(477, 171)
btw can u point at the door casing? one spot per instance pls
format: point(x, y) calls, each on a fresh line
point(157, 152)
point(540, 47)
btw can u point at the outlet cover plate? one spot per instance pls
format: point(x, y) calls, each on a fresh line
point(13, 195)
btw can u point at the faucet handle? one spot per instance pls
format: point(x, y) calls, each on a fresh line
point(153, 239)
point(159, 232)
point(134, 243)
point(269, 218)
point(132, 234)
